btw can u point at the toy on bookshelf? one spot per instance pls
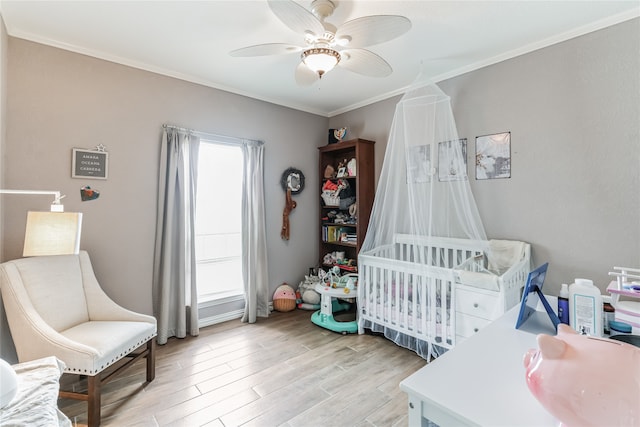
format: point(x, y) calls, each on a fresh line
point(333, 259)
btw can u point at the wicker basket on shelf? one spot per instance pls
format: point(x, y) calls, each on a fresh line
point(330, 200)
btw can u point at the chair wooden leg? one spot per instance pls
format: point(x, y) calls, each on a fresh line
point(151, 359)
point(94, 383)
point(93, 401)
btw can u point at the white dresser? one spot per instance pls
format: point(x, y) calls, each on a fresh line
point(477, 307)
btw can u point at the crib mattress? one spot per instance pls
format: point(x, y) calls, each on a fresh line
point(487, 281)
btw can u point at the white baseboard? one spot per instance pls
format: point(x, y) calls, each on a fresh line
point(212, 320)
point(236, 314)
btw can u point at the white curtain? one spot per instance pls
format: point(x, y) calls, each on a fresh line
point(254, 243)
point(174, 274)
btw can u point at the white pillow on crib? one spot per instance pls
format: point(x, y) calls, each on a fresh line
point(503, 254)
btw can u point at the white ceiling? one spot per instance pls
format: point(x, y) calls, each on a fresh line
point(191, 40)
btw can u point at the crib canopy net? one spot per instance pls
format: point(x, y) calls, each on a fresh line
point(423, 192)
point(423, 188)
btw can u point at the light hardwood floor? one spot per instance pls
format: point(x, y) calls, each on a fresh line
point(280, 371)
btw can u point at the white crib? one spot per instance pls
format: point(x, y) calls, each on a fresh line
point(429, 293)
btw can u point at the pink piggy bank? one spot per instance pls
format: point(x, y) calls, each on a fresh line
point(585, 381)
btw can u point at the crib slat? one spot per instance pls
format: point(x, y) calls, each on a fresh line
point(404, 300)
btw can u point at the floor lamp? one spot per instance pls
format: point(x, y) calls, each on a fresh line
point(50, 233)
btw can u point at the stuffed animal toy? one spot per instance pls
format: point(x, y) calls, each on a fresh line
point(329, 172)
point(284, 298)
point(308, 298)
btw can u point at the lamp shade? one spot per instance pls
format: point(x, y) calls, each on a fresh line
point(52, 233)
point(320, 60)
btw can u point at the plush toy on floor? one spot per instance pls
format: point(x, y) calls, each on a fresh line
point(307, 297)
point(284, 298)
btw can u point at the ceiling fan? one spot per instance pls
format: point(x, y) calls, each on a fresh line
point(326, 45)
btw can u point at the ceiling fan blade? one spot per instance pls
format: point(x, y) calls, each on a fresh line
point(304, 75)
point(266, 49)
point(296, 17)
point(364, 62)
point(371, 30)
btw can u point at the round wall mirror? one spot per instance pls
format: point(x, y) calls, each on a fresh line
point(292, 179)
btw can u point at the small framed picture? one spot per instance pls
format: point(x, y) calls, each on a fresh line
point(452, 160)
point(342, 172)
point(89, 164)
point(493, 156)
point(419, 164)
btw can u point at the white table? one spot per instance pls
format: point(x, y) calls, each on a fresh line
point(482, 380)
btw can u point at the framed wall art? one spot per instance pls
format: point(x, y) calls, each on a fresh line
point(91, 164)
point(493, 156)
point(419, 164)
point(450, 167)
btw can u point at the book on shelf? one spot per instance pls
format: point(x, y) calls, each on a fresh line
point(334, 233)
point(348, 237)
point(330, 233)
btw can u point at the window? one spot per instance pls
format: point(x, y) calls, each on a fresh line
point(218, 225)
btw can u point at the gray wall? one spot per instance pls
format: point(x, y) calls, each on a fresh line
point(573, 110)
point(372, 122)
point(58, 100)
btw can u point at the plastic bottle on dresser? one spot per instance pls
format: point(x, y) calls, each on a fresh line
point(563, 304)
point(585, 308)
point(608, 314)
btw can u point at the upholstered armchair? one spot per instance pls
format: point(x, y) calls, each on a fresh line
point(55, 307)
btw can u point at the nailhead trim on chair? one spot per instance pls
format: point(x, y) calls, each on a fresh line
point(114, 360)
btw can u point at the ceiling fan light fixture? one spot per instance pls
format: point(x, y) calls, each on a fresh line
point(320, 59)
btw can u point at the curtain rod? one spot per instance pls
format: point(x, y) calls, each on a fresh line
point(218, 138)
